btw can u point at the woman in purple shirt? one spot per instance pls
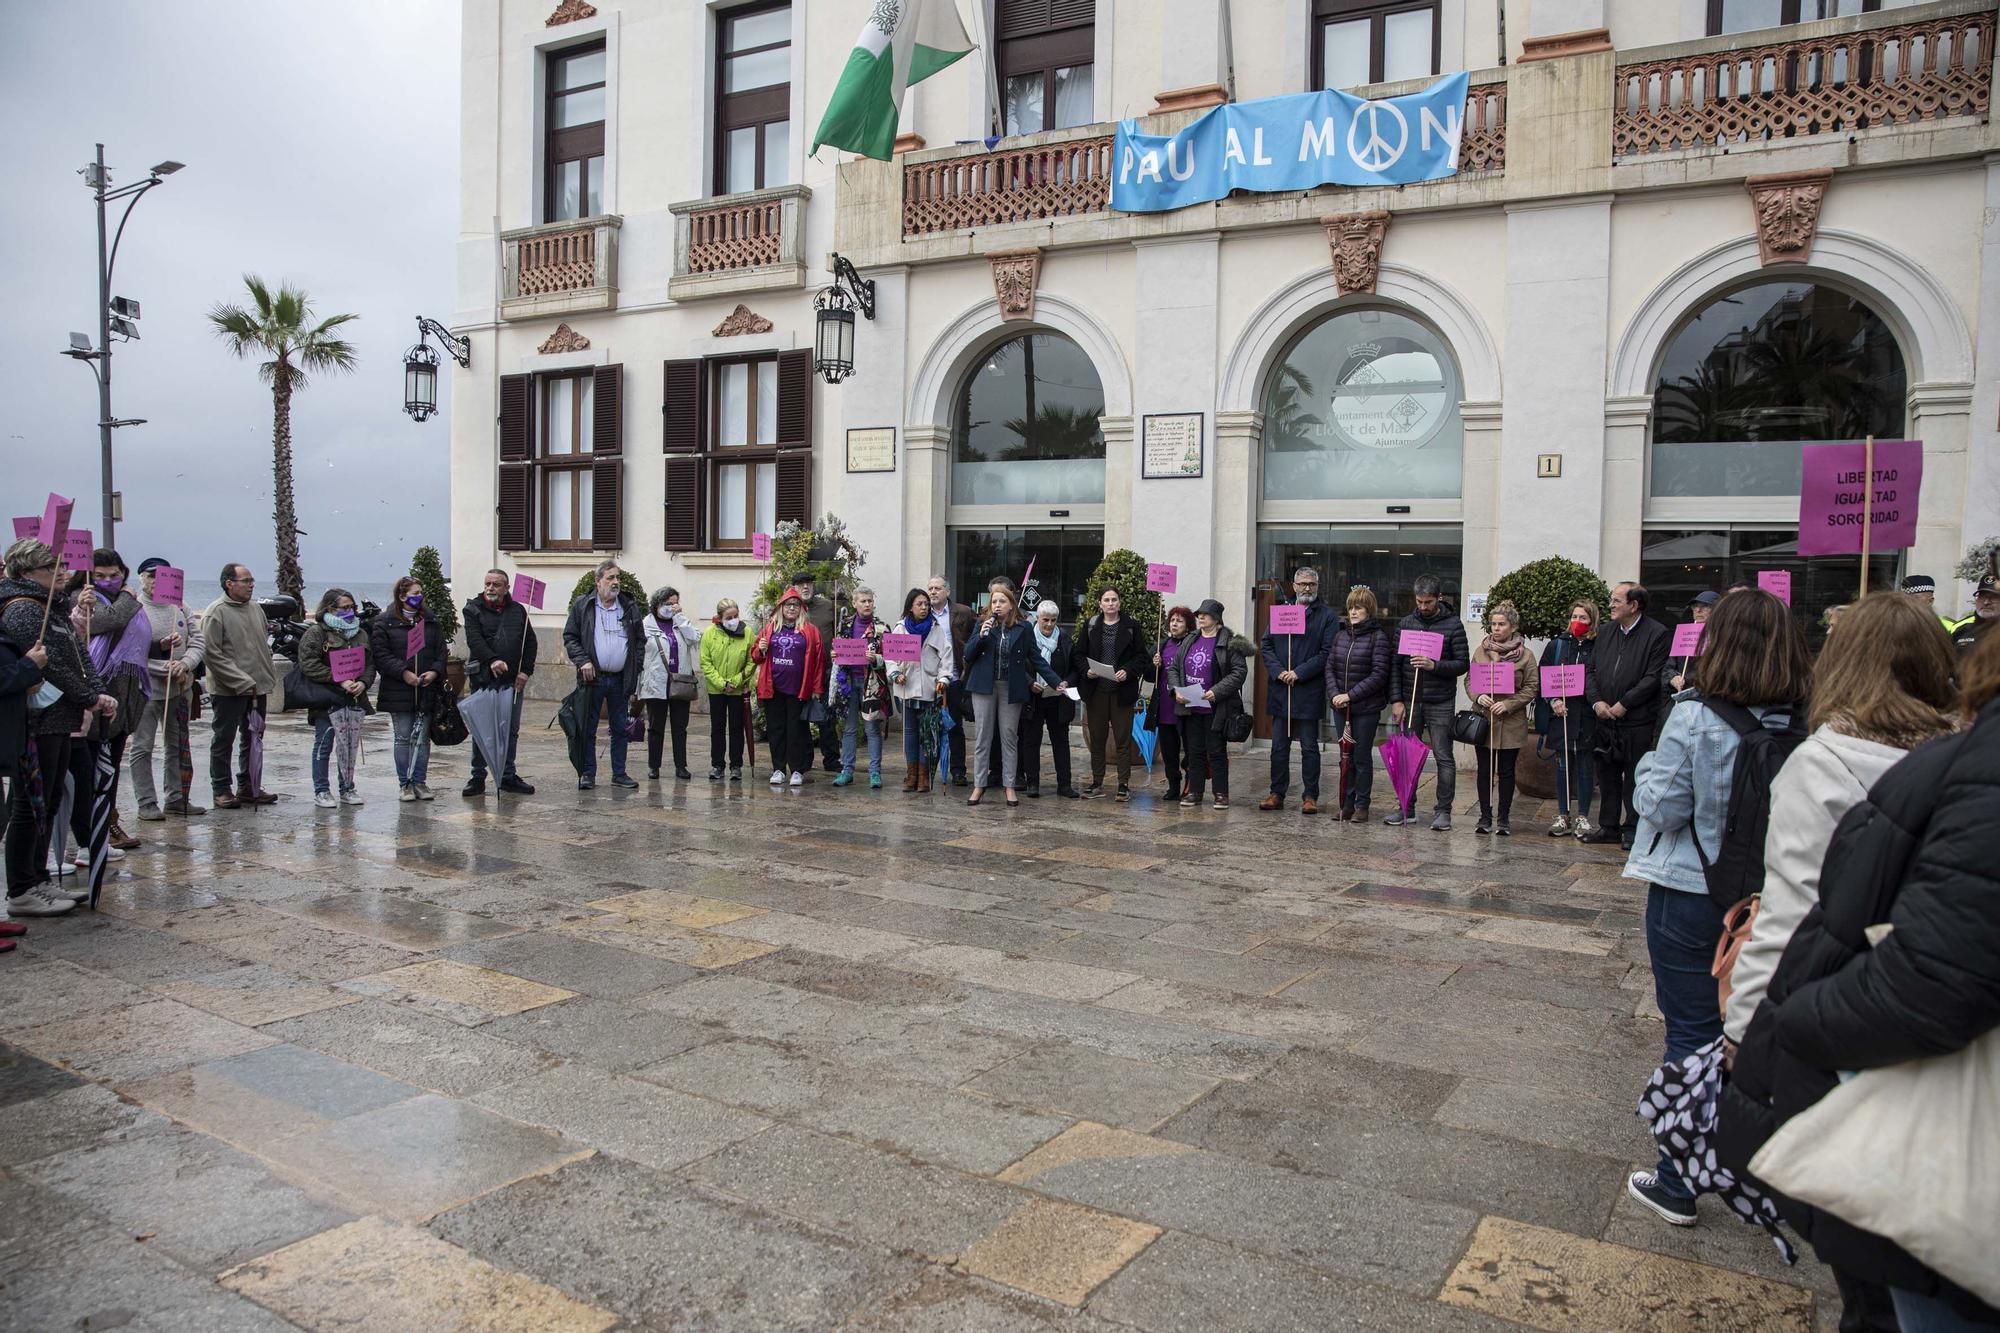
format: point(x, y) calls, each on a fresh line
point(1216, 661)
point(1165, 714)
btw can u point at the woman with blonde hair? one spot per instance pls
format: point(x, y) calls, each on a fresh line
point(1000, 659)
point(1507, 714)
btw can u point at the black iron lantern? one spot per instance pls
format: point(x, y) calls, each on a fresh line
point(420, 365)
point(833, 333)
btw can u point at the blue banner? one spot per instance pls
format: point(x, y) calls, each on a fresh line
point(1296, 142)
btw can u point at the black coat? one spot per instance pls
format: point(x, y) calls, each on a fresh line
point(1358, 666)
point(1131, 653)
point(1917, 853)
point(983, 653)
point(19, 678)
point(388, 644)
point(1439, 686)
point(1304, 655)
point(1625, 668)
point(580, 634)
point(493, 636)
point(1067, 667)
point(1566, 651)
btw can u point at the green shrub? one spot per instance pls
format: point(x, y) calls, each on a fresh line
point(427, 568)
point(1544, 591)
point(627, 582)
point(1125, 571)
point(824, 551)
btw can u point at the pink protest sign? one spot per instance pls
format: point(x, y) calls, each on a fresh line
point(1834, 490)
point(77, 549)
point(1495, 678)
point(1562, 682)
point(1163, 578)
point(760, 546)
point(1420, 643)
point(902, 648)
point(347, 663)
point(529, 591)
point(851, 652)
point(27, 527)
point(415, 643)
point(55, 521)
point(1288, 620)
point(1778, 582)
point(169, 585)
point(1687, 639)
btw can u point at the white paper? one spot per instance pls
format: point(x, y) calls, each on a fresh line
point(1190, 694)
point(1100, 670)
point(1074, 694)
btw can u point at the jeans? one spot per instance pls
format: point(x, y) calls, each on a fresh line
point(1573, 759)
point(607, 695)
point(1107, 726)
point(790, 737)
point(28, 846)
point(226, 722)
point(913, 748)
point(1928, 1314)
point(323, 751)
point(1361, 764)
point(160, 714)
point(1207, 748)
point(725, 720)
point(1681, 932)
point(660, 713)
point(1305, 730)
point(481, 762)
point(850, 737)
point(992, 713)
point(1502, 760)
point(1039, 716)
point(413, 747)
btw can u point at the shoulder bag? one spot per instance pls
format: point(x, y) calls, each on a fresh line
point(1469, 726)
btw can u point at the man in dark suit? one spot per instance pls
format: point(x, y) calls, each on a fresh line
point(1622, 689)
point(954, 694)
point(1296, 700)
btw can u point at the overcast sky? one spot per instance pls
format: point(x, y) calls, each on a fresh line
point(321, 143)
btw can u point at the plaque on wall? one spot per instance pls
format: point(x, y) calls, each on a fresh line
point(871, 449)
point(1171, 445)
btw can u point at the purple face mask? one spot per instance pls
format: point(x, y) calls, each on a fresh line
point(414, 600)
point(109, 587)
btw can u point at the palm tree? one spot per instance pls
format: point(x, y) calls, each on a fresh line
point(279, 328)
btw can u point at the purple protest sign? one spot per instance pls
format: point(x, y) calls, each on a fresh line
point(851, 652)
point(1562, 682)
point(529, 591)
point(902, 648)
point(760, 546)
point(1420, 643)
point(25, 528)
point(77, 548)
point(1687, 639)
point(1163, 578)
point(1834, 489)
point(1778, 582)
point(55, 521)
point(169, 585)
point(347, 663)
point(1288, 620)
point(1495, 678)
point(414, 645)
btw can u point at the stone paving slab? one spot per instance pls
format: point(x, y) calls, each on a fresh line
point(465, 994)
point(648, 1124)
point(77, 1118)
point(125, 1284)
point(254, 994)
point(254, 1099)
point(605, 1034)
point(429, 1052)
point(126, 1045)
point(34, 991)
point(558, 958)
point(1057, 1250)
point(948, 1303)
point(1080, 1083)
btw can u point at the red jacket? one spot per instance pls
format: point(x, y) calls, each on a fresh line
point(814, 682)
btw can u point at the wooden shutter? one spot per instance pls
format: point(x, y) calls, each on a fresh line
point(795, 400)
point(607, 410)
point(607, 474)
point(684, 427)
point(795, 472)
point(515, 527)
point(1029, 18)
point(607, 505)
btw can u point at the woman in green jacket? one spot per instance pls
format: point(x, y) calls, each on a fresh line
point(725, 667)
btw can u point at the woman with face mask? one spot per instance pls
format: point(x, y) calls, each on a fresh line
point(409, 682)
point(119, 640)
point(669, 680)
point(726, 670)
point(920, 687)
point(1567, 732)
point(863, 692)
point(336, 726)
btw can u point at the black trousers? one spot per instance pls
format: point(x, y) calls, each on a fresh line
point(1503, 761)
point(791, 739)
point(83, 779)
point(27, 846)
point(658, 711)
point(1619, 751)
point(1039, 718)
point(1207, 746)
point(226, 720)
point(1168, 751)
point(725, 717)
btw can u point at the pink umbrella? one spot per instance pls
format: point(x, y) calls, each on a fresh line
point(1403, 756)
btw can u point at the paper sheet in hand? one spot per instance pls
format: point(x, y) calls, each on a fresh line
point(1189, 694)
point(1075, 695)
point(1101, 670)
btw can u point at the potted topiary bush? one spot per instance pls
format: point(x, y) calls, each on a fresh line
point(1544, 591)
point(1125, 571)
point(427, 568)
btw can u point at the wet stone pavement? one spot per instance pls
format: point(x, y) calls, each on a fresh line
point(722, 1057)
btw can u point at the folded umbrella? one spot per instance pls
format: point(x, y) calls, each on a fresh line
point(1403, 756)
point(1144, 739)
point(1347, 767)
point(253, 765)
point(488, 716)
point(102, 798)
point(570, 717)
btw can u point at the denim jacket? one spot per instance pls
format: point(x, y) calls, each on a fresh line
point(1683, 792)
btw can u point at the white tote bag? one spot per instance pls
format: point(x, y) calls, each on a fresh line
point(1911, 1153)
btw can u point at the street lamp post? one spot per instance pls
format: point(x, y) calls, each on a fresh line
point(121, 320)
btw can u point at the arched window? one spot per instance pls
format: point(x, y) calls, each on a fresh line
point(1758, 371)
point(1364, 405)
point(1025, 431)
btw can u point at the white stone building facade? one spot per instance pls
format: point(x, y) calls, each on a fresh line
point(1685, 237)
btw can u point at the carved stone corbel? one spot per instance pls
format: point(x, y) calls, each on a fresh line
point(1356, 239)
point(564, 339)
point(1016, 275)
point(569, 11)
point(740, 321)
point(1787, 209)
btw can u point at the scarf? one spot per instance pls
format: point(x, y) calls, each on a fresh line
point(1504, 647)
point(126, 653)
point(921, 628)
point(1047, 643)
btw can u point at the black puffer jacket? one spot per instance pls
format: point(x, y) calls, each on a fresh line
point(1439, 686)
point(69, 668)
point(1918, 854)
point(388, 646)
point(1358, 666)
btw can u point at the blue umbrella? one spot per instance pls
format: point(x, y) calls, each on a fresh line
point(1144, 739)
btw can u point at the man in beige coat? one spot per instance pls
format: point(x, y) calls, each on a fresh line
point(236, 645)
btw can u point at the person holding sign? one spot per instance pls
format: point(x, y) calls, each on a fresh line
point(1115, 656)
point(1357, 688)
point(999, 662)
point(500, 648)
point(333, 653)
point(1208, 679)
point(1570, 730)
point(172, 656)
point(1051, 706)
point(240, 676)
point(726, 670)
point(669, 680)
point(1423, 690)
point(1501, 680)
point(408, 647)
point(862, 687)
point(920, 682)
point(118, 638)
point(1295, 662)
point(1167, 710)
point(791, 668)
point(1622, 690)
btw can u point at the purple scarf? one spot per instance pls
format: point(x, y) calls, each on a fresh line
point(128, 653)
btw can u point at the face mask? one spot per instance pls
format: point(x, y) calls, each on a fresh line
point(109, 587)
point(340, 620)
point(414, 600)
point(663, 613)
point(1579, 628)
point(733, 623)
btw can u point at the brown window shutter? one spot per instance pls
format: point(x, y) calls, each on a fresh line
point(795, 400)
point(515, 526)
point(516, 531)
point(607, 410)
point(795, 479)
point(681, 407)
point(607, 505)
point(684, 505)
point(517, 435)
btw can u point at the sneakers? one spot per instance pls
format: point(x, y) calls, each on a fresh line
point(407, 792)
point(1190, 801)
point(736, 775)
point(474, 787)
point(1124, 794)
point(1485, 824)
point(715, 774)
point(875, 781)
point(623, 780)
point(1560, 828)
point(1580, 826)
point(39, 902)
point(1669, 1208)
point(324, 800)
point(1221, 803)
point(777, 777)
point(82, 858)
point(352, 798)
point(1398, 817)
point(845, 779)
point(799, 779)
point(1502, 830)
point(585, 784)
point(423, 792)
point(1441, 822)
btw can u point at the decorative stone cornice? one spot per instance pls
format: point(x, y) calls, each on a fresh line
point(1356, 239)
point(564, 339)
point(569, 11)
point(1016, 275)
point(1559, 44)
point(1190, 99)
point(740, 321)
point(1787, 208)
point(907, 143)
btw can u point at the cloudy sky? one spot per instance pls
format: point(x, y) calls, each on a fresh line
point(321, 143)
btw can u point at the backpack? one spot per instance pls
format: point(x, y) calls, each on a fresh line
point(1737, 872)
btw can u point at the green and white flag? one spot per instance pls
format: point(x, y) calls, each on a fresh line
point(903, 42)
